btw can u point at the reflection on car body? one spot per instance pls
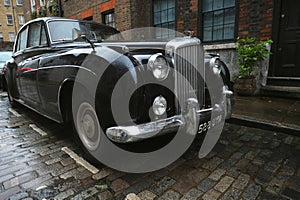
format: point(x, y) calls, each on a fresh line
point(48, 59)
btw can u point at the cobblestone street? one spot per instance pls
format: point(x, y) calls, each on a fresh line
point(38, 160)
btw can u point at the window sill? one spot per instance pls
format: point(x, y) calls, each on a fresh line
point(219, 46)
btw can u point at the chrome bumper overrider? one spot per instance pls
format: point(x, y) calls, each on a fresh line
point(190, 119)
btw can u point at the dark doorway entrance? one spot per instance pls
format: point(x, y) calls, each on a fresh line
point(286, 53)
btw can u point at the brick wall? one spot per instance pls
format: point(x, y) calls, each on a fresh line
point(80, 8)
point(255, 18)
point(141, 13)
point(27, 10)
point(6, 46)
point(187, 12)
point(123, 15)
point(14, 10)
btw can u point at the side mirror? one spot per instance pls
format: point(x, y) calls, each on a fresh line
point(77, 35)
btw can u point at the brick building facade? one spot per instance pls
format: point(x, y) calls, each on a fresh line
point(216, 22)
point(11, 19)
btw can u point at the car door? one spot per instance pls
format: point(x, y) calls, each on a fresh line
point(27, 69)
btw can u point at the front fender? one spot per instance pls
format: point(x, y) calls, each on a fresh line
point(226, 75)
point(109, 68)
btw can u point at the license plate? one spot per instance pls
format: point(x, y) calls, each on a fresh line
point(203, 127)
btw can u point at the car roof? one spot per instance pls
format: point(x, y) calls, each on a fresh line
point(46, 19)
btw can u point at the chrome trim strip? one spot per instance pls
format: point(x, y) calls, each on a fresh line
point(62, 66)
point(189, 120)
point(204, 111)
point(35, 110)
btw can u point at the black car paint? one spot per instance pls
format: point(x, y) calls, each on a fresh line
point(41, 74)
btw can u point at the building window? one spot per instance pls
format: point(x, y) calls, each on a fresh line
point(19, 2)
point(21, 19)
point(9, 19)
point(42, 3)
point(218, 20)
point(7, 2)
point(1, 37)
point(164, 17)
point(11, 36)
point(108, 18)
point(32, 2)
point(88, 18)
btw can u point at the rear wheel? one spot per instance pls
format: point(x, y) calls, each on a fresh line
point(11, 100)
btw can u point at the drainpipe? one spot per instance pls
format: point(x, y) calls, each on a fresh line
point(60, 9)
point(14, 17)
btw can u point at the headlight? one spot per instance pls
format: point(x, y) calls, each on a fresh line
point(216, 65)
point(159, 66)
point(159, 105)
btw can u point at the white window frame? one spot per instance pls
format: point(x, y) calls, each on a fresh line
point(21, 19)
point(12, 20)
point(42, 3)
point(6, 2)
point(10, 35)
point(18, 3)
point(32, 3)
point(1, 36)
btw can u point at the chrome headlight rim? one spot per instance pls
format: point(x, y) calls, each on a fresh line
point(159, 105)
point(152, 66)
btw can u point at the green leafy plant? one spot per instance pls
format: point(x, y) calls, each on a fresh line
point(54, 9)
point(33, 15)
point(250, 52)
point(43, 12)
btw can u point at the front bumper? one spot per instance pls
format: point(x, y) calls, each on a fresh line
point(190, 120)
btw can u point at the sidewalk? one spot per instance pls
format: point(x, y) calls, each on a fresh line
point(271, 113)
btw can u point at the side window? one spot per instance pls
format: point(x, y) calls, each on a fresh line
point(34, 34)
point(43, 37)
point(37, 35)
point(22, 40)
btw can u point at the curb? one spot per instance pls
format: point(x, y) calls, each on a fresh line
point(265, 124)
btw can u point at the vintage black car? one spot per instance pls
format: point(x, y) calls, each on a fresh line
point(53, 56)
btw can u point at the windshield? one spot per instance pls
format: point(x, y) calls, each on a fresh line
point(4, 56)
point(62, 30)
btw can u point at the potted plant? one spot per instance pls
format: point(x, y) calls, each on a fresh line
point(250, 52)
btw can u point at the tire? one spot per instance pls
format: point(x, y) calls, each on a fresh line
point(86, 125)
point(11, 100)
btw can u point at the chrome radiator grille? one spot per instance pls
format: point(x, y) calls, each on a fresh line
point(189, 65)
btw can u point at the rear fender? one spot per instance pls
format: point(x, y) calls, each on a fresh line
point(12, 79)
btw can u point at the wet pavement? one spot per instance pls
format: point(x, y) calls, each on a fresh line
point(37, 161)
point(268, 112)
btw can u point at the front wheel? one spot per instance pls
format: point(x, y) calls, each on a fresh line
point(87, 126)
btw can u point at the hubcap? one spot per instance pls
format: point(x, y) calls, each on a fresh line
point(88, 126)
